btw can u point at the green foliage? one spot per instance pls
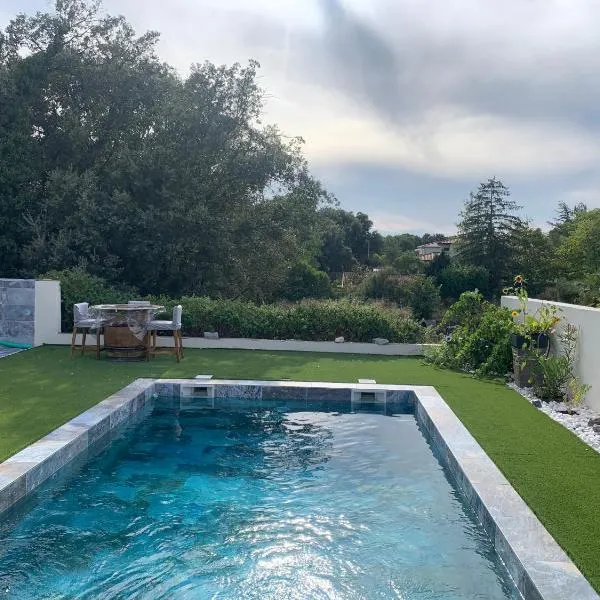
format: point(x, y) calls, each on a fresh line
point(309, 320)
point(408, 263)
point(348, 240)
point(395, 245)
point(480, 340)
point(385, 284)
point(417, 292)
point(77, 285)
point(487, 231)
point(466, 311)
point(533, 255)
point(305, 281)
point(423, 296)
point(456, 279)
point(578, 254)
point(557, 379)
point(110, 160)
point(553, 376)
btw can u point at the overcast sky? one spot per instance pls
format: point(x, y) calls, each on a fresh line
point(405, 105)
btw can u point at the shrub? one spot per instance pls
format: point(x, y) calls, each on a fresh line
point(305, 281)
point(480, 340)
point(308, 320)
point(466, 311)
point(77, 285)
point(456, 279)
point(423, 296)
point(417, 292)
point(383, 285)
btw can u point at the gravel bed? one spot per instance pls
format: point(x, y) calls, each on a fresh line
point(577, 423)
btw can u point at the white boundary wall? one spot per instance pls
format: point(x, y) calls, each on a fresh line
point(587, 319)
point(47, 311)
point(47, 331)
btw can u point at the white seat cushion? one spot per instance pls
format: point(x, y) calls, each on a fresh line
point(163, 326)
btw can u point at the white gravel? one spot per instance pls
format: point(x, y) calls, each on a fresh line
point(578, 423)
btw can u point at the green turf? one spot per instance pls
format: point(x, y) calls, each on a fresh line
point(556, 474)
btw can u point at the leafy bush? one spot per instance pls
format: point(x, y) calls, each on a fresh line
point(77, 285)
point(318, 320)
point(554, 376)
point(456, 279)
point(305, 281)
point(466, 311)
point(423, 296)
point(480, 340)
point(308, 320)
point(417, 292)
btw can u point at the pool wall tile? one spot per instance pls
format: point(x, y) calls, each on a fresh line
point(284, 393)
point(246, 392)
point(12, 490)
point(329, 394)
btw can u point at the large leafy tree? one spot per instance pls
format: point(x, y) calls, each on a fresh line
point(348, 240)
point(533, 258)
point(110, 160)
point(579, 252)
point(487, 231)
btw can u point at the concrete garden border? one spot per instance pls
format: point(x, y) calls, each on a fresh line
point(538, 566)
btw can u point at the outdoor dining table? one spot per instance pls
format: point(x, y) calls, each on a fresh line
point(126, 334)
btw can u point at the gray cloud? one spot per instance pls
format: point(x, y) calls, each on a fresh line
point(400, 67)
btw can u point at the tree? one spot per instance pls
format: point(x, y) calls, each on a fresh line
point(533, 258)
point(348, 240)
point(408, 263)
point(456, 279)
point(440, 262)
point(417, 292)
point(305, 281)
point(394, 245)
point(579, 252)
point(428, 238)
point(487, 231)
point(565, 216)
point(111, 161)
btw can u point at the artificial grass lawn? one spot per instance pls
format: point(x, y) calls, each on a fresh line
point(555, 473)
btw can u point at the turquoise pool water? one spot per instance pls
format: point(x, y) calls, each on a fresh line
point(253, 503)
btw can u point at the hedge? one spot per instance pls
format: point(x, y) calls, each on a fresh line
point(316, 320)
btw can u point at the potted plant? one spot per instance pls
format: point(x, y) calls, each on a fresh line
point(531, 334)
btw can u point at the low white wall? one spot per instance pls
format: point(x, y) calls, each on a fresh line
point(47, 311)
point(588, 321)
point(64, 339)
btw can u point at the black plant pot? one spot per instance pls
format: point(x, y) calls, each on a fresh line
point(539, 341)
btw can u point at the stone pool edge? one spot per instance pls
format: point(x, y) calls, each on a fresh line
point(539, 567)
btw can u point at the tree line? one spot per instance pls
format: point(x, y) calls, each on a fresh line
point(113, 164)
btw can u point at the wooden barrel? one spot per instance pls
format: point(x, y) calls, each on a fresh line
point(119, 342)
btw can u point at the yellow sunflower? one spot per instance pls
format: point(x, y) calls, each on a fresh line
point(515, 313)
point(519, 279)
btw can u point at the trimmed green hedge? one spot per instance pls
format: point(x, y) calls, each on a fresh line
point(316, 320)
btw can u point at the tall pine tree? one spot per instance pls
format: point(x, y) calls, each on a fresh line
point(487, 230)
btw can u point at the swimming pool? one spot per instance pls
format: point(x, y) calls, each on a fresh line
point(252, 501)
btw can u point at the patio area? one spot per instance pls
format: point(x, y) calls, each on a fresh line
point(554, 472)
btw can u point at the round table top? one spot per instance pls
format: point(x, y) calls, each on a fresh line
point(128, 307)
